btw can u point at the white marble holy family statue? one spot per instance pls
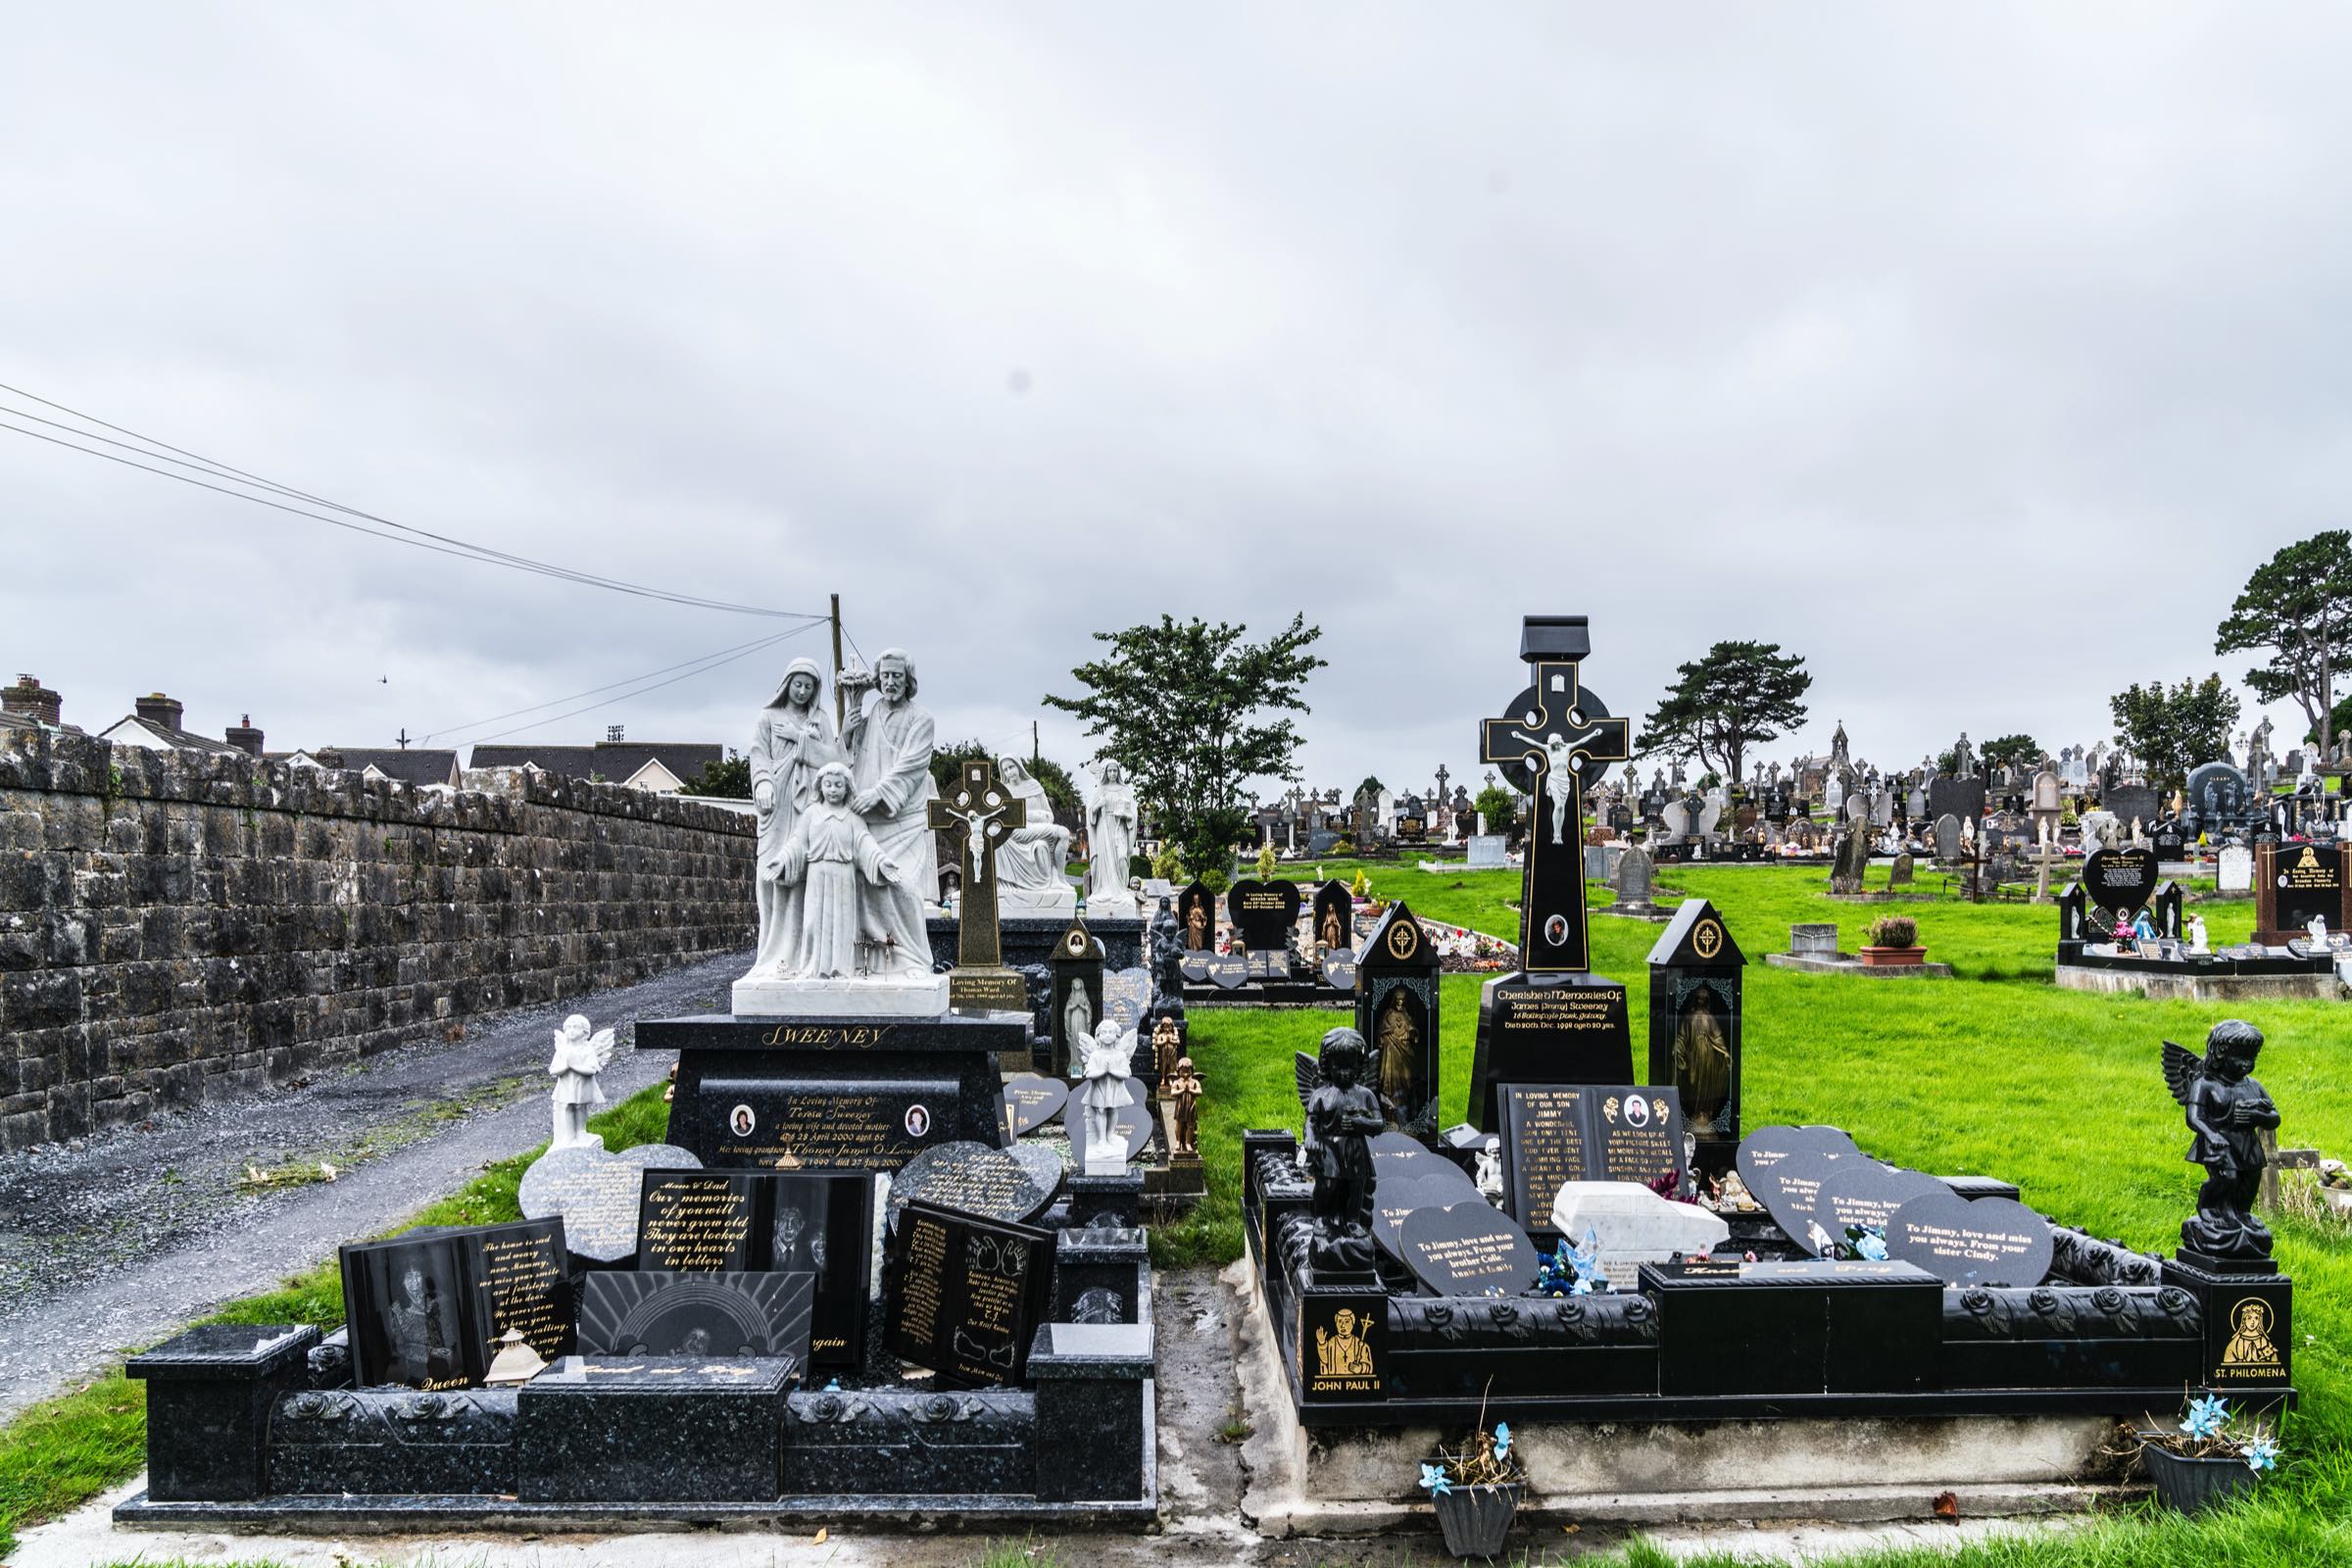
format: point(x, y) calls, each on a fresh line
point(845, 855)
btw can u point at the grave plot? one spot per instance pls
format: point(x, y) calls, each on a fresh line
point(859, 1282)
point(2122, 928)
point(1633, 1296)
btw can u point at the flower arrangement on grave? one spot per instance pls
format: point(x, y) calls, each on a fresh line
point(1475, 1488)
point(1572, 1271)
point(2211, 1455)
point(1360, 888)
point(1892, 931)
point(1863, 1243)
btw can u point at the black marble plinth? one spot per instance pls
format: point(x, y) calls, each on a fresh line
point(1117, 1198)
point(1568, 1029)
point(1810, 1327)
point(684, 1429)
point(1092, 1380)
point(394, 1442)
point(1101, 1270)
point(2249, 1325)
point(210, 1392)
point(854, 1093)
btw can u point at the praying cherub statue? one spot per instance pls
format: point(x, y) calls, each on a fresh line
point(1183, 1087)
point(579, 1058)
point(1105, 1090)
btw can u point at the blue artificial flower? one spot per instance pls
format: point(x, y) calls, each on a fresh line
point(1502, 1440)
point(1872, 1245)
point(2206, 1416)
point(2261, 1455)
point(1432, 1477)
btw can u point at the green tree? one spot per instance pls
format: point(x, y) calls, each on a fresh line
point(2297, 606)
point(1501, 804)
point(1738, 696)
point(2174, 730)
point(1371, 785)
point(2012, 751)
point(728, 780)
point(1177, 706)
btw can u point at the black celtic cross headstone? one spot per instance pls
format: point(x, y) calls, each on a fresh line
point(1554, 1022)
point(1554, 741)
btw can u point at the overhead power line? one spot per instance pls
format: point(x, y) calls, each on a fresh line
point(703, 667)
point(396, 532)
point(710, 659)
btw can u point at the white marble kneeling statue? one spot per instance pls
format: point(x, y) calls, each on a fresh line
point(1029, 860)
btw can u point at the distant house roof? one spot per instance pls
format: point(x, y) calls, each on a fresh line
point(419, 766)
point(156, 736)
point(660, 765)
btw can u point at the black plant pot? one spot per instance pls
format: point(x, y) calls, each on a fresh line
point(2192, 1485)
point(1476, 1519)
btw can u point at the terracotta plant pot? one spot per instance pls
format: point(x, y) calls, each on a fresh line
point(1892, 958)
point(1476, 1519)
point(2190, 1485)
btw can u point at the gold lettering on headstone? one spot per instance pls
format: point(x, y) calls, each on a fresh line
point(526, 1279)
point(919, 1292)
point(696, 1225)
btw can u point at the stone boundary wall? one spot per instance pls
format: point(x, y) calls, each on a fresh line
point(175, 926)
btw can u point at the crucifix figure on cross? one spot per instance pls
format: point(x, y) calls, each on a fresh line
point(976, 818)
point(1554, 739)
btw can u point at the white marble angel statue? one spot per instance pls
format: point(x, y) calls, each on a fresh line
point(579, 1058)
point(1106, 1088)
point(842, 873)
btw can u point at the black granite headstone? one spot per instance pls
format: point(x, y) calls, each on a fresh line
point(1032, 1101)
point(1985, 1240)
point(1335, 918)
point(638, 1312)
point(965, 1294)
point(1555, 1133)
point(1962, 798)
point(1397, 1012)
point(1264, 913)
point(1230, 970)
point(425, 1308)
point(1784, 1167)
point(1695, 1044)
point(1393, 1200)
point(814, 1222)
point(2120, 882)
point(1466, 1248)
point(2307, 881)
point(1867, 1193)
point(1135, 1125)
point(970, 1178)
point(1339, 971)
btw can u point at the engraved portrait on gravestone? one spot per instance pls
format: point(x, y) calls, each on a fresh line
point(418, 1322)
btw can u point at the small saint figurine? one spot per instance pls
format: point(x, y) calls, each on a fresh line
point(2197, 935)
point(1182, 1086)
point(2316, 930)
point(1167, 1045)
point(1342, 1116)
point(1107, 1089)
point(2229, 1111)
point(579, 1058)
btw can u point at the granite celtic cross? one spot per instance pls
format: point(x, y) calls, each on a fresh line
point(1554, 738)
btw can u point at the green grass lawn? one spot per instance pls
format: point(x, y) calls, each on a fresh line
point(1994, 1073)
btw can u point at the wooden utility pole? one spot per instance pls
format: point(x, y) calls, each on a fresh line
point(840, 707)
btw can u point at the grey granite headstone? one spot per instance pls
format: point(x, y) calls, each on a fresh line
point(1487, 851)
point(595, 1193)
point(970, 1178)
point(1813, 940)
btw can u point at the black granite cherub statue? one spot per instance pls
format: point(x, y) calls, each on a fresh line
point(2229, 1111)
point(1342, 1114)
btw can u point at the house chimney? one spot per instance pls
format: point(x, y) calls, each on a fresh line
point(157, 709)
point(244, 737)
point(30, 699)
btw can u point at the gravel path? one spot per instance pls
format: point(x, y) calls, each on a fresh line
point(115, 1240)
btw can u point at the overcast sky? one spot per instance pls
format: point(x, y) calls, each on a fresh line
point(1976, 352)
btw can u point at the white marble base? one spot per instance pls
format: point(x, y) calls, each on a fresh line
point(922, 995)
point(1113, 906)
point(1633, 1225)
point(1012, 901)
